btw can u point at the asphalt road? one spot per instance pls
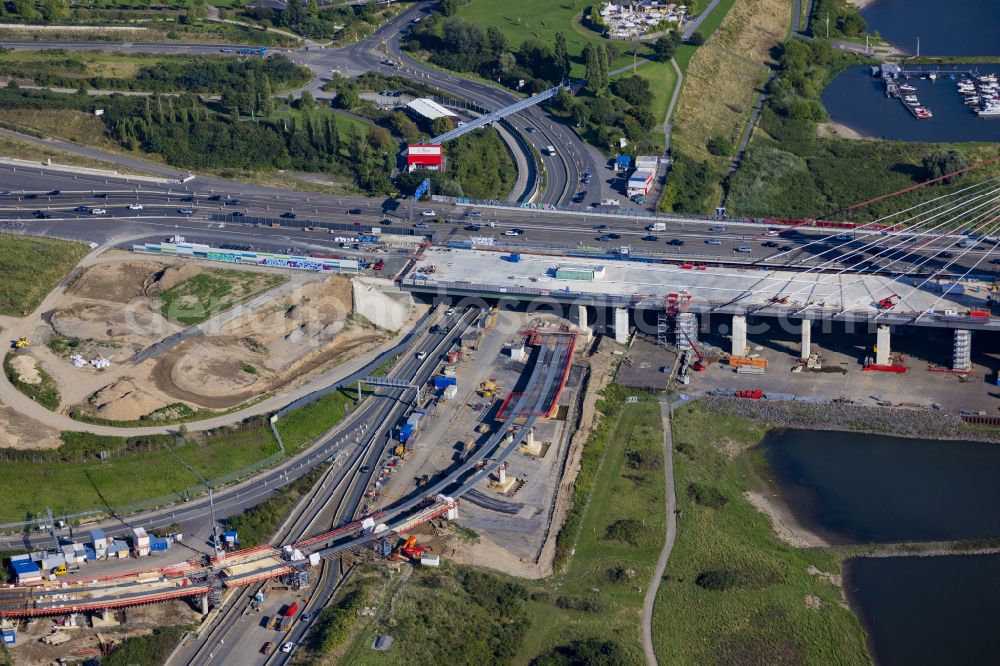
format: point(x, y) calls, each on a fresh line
point(236, 636)
point(541, 229)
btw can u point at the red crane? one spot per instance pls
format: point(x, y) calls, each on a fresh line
point(674, 304)
point(887, 303)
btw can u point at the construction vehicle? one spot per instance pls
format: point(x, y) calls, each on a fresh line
point(378, 265)
point(399, 450)
point(489, 389)
point(21, 342)
point(887, 303)
point(483, 428)
point(410, 550)
point(423, 480)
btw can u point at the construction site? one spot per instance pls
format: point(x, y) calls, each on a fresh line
point(131, 337)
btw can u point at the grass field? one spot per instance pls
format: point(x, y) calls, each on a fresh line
point(203, 296)
point(74, 126)
point(733, 593)
point(615, 535)
point(25, 150)
point(68, 486)
point(304, 425)
point(722, 77)
point(74, 65)
point(531, 19)
point(31, 267)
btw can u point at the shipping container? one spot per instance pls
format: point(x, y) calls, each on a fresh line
point(406, 432)
point(444, 382)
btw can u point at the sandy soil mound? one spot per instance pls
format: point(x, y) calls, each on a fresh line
point(171, 277)
point(20, 432)
point(123, 401)
point(26, 368)
point(132, 325)
point(119, 282)
point(268, 348)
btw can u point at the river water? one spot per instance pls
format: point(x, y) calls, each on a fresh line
point(928, 610)
point(857, 100)
point(859, 488)
point(953, 28)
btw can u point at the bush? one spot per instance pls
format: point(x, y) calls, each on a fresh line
point(626, 531)
point(334, 623)
point(709, 496)
point(696, 39)
point(586, 604)
point(587, 652)
point(720, 146)
point(718, 581)
point(151, 650)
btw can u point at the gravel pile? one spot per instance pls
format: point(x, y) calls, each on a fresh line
point(857, 418)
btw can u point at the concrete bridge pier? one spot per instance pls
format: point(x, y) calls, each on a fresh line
point(204, 604)
point(621, 325)
point(739, 335)
point(961, 357)
point(105, 615)
point(806, 348)
point(583, 322)
point(883, 348)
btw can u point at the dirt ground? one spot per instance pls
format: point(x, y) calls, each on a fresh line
point(120, 281)
point(20, 432)
point(267, 349)
point(84, 644)
point(784, 524)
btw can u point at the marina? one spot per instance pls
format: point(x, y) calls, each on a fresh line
point(857, 99)
point(979, 90)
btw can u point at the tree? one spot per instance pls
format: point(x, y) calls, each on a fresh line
point(941, 162)
point(313, 8)
point(25, 9)
point(633, 89)
point(265, 102)
point(506, 62)
point(54, 11)
point(380, 139)
point(347, 96)
point(597, 68)
point(561, 55)
point(664, 48)
point(696, 39)
point(307, 102)
point(496, 42)
point(404, 127)
point(440, 125)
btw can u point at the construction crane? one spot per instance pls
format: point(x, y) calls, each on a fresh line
point(887, 303)
point(699, 365)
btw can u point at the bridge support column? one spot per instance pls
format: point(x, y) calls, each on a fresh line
point(204, 604)
point(685, 330)
point(621, 325)
point(883, 348)
point(582, 321)
point(806, 349)
point(739, 335)
point(961, 357)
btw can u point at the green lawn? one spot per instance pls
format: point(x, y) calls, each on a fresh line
point(733, 593)
point(205, 295)
point(302, 426)
point(530, 19)
point(31, 267)
point(618, 495)
point(149, 472)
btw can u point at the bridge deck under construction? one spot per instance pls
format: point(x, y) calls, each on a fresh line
point(541, 395)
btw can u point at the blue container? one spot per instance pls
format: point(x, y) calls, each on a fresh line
point(406, 432)
point(230, 536)
point(158, 544)
point(444, 382)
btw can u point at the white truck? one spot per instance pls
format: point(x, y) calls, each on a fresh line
point(656, 226)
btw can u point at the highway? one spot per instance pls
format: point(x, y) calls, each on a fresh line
point(687, 239)
point(335, 500)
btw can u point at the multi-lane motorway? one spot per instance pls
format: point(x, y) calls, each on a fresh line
point(686, 238)
point(236, 634)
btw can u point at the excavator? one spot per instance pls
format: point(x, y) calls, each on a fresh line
point(21, 342)
point(489, 389)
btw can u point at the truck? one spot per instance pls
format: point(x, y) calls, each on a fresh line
point(290, 610)
point(656, 226)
